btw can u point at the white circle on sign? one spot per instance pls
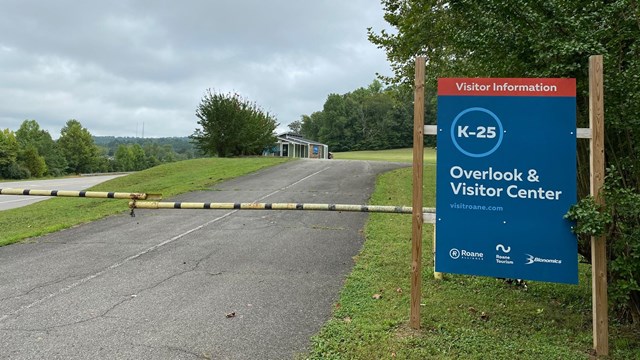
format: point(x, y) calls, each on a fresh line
point(499, 133)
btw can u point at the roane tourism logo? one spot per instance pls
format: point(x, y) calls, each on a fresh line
point(503, 258)
point(465, 254)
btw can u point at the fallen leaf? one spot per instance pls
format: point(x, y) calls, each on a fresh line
point(347, 320)
point(399, 290)
point(472, 310)
point(231, 315)
point(377, 296)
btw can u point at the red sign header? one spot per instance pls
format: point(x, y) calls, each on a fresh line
point(507, 87)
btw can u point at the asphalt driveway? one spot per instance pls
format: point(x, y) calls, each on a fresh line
point(190, 284)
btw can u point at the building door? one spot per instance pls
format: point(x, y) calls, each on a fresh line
point(285, 150)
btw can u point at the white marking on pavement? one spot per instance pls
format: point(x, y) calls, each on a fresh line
point(290, 185)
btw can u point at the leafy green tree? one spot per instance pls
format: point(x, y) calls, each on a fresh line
point(332, 129)
point(8, 147)
point(78, 147)
point(156, 154)
point(232, 126)
point(30, 159)
point(295, 126)
point(370, 118)
point(53, 156)
point(124, 158)
point(8, 153)
point(166, 153)
point(311, 125)
point(497, 38)
point(34, 143)
point(31, 135)
point(138, 157)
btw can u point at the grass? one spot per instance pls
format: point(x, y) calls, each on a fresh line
point(462, 317)
point(393, 155)
point(169, 180)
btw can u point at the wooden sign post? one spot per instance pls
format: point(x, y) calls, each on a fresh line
point(418, 159)
point(598, 244)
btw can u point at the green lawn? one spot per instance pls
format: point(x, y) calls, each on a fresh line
point(394, 155)
point(169, 179)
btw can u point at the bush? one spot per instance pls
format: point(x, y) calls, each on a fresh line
point(55, 172)
point(15, 171)
point(619, 221)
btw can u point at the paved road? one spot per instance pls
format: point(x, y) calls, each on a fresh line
point(79, 183)
point(160, 285)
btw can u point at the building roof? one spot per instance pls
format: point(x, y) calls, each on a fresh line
point(297, 138)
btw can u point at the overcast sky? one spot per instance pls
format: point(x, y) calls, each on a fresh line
point(114, 65)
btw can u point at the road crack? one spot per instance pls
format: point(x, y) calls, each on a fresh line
point(40, 286)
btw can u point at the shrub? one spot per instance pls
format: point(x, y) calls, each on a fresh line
point(619, 221)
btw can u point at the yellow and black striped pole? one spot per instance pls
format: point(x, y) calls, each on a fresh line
point(87, 194)
point(139, 203)
point(274, 206)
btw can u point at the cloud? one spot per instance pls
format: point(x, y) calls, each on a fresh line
point(116, 65)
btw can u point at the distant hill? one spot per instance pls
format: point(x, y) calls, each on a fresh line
point(181, 145)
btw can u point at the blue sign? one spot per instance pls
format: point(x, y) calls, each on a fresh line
point(506, 175)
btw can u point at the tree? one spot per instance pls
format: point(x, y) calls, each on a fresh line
point(31, 135)
point(296, 126)
point(53, 156)
point(311, 125)
point(370, 118)
point(232, 126)
point(496, 38)
point(8, 153)
point(33, 143)
point(78, 147)
point(124, 158)
point(32, 161)
point(138, 157)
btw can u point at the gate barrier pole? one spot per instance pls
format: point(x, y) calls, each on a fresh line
point(275, 206)
point(75, 193)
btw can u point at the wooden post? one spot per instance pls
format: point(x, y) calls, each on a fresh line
point(418, 158)
point(436, 275)
point(598, 244)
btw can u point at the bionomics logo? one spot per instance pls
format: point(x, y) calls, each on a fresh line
point(533, 259)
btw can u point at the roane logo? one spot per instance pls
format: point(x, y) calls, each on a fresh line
point(465, 254)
